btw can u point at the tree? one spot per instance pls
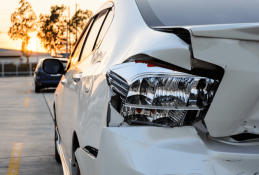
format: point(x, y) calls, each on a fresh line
point(23, 23)
point(52, 29)
point(77, 23)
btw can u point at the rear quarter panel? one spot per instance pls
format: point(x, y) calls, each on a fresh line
point(127, 36)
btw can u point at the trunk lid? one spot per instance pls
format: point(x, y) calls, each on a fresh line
point(234, 47)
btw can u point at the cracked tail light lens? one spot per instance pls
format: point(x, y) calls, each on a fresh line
point(117, 84)
point(162, 100)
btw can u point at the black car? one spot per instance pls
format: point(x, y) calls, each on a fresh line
point(43, 80)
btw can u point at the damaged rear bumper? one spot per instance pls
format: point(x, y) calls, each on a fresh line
point(154, 150)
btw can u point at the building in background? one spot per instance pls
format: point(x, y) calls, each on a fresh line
point(16, 57)
point(13, 63)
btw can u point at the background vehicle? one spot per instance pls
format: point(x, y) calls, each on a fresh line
point(44, 80)
point(140, 96)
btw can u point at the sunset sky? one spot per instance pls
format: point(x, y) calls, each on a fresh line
point(39, 6)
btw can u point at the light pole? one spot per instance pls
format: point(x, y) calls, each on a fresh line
point(67, 42)
point(76, 20)
point(37, 50)
point(69, 27)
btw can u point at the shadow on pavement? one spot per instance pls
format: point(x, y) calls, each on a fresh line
point(50, 90)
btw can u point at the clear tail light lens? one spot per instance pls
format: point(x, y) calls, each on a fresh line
point(162, 99)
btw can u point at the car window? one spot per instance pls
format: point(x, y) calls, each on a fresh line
point(74, 57)
point(91, 38)
point(105, 28)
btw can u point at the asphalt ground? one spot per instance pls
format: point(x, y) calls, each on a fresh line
point(26, 129)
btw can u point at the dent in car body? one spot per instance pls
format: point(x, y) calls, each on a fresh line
point(235, 107)
point(247, 31)
point(181, 151)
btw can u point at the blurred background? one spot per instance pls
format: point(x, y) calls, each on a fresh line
point(33, 29)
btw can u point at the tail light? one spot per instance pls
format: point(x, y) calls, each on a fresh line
point(159, 96)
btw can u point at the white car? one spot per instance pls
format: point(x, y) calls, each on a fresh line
point(161, 87)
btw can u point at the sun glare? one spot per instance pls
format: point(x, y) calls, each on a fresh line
point(33, 42)
point(32, 47)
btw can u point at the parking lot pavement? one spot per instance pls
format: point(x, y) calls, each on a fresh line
point(26, 129)
point(49, 97)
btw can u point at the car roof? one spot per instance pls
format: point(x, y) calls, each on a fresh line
point(61, 59)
